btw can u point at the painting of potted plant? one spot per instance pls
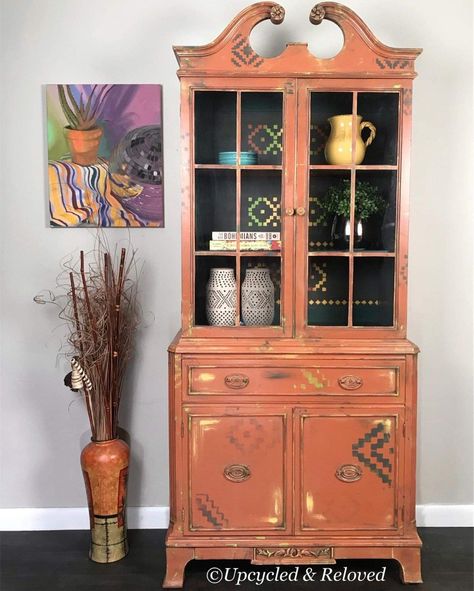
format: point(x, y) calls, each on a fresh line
point(369, 204)
point(97, 297)
point(105, 155)
point(83, 132)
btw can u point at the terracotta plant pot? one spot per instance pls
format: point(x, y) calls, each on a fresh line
point(105, 469)
point(84, 145)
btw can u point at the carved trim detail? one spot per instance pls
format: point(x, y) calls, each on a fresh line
point(293, 552)
point(350, 382)
point(317, 14)
point(237, 472)
point(236, 381)
point(277, 14)
point(349, 473)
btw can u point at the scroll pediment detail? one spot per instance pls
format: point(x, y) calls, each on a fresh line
point(232, 49)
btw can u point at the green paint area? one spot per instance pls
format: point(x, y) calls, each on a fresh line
point(312, 379)
point(57, 144)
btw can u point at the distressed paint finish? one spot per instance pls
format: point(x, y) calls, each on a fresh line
point(314, 426)
point(290, 377)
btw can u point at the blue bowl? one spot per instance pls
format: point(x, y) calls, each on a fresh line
point(231, 158)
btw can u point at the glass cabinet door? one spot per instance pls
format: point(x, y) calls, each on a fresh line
point(349, 187)
point(239, 187)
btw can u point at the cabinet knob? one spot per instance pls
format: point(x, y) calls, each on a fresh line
point(349, 473)
point(237, 472)
point(300, 210)
point(290, 211)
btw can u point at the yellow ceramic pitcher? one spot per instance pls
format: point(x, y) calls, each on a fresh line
point(338, 148)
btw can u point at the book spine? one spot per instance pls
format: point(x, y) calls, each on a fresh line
point(245, 245)
point(246, 236)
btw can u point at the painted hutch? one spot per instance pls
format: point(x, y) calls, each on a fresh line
point(294, 442)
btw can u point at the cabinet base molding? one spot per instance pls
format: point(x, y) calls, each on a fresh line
point(406, 551)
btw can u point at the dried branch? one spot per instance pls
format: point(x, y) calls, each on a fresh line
point(100, 308)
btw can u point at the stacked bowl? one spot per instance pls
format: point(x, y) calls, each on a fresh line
point(230, 158)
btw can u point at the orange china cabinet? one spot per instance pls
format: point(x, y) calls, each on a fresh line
point(292, 409)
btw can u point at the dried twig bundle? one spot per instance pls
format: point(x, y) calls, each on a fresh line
point(99, 304)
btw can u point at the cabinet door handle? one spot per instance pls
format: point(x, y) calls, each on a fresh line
point(237, 472)
point(236, 381)
point(290, 211)
point(300, 210)
point(349, 473)
point(350, 382)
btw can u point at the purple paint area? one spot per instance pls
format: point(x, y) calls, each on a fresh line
point(126, 107)
point(148, 205)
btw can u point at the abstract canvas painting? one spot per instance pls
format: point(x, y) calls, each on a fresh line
point(105, 155)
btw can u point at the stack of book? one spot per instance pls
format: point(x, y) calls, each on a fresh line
point(248, 241)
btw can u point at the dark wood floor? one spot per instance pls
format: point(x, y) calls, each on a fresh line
point(56, 561)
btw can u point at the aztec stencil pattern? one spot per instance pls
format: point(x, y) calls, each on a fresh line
point(210, 511)
point(263, 212)
point(243, 54)
point(248, 434)
point(319, 282)
point(319, 231)
point(318, 137)
point(265, 139)
point(374, 452)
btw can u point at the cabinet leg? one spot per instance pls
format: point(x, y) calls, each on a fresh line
point(176, 560)
point(410, 564)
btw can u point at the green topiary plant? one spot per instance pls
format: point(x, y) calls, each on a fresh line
point(368, 200)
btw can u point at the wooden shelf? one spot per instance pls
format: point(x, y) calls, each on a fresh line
point(233, 253)
point(346, 253)
point(335, 167)
point(242, 166)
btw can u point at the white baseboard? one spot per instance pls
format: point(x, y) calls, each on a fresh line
point(77, 518)
point(157, 517)
point(445, 515)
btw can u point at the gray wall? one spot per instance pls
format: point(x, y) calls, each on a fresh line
point(124, 41)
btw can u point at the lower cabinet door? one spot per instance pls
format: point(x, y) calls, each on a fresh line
point(348, 470)
point(238, 465)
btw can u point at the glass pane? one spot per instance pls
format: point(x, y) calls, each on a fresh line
point(329, 208)
point(375, 210)
point(328, 291)
point(381, 109)
point(261, 208)
point(215, 207)
point(260, 291)
point(222, 302)
point(373, 291)
point(215, 115)
point(262, 128)
point(323, 106)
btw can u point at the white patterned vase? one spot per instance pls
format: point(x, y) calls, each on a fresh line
point(221, 298)
point(258, 298)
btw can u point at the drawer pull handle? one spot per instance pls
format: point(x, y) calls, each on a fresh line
point(349, 473)
point(236, 381)
point(237, 472)
point(350, 382)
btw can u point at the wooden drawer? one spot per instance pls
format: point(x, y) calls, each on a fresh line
point(253, 377)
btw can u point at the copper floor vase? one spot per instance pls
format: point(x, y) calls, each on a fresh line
point(105, 468)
